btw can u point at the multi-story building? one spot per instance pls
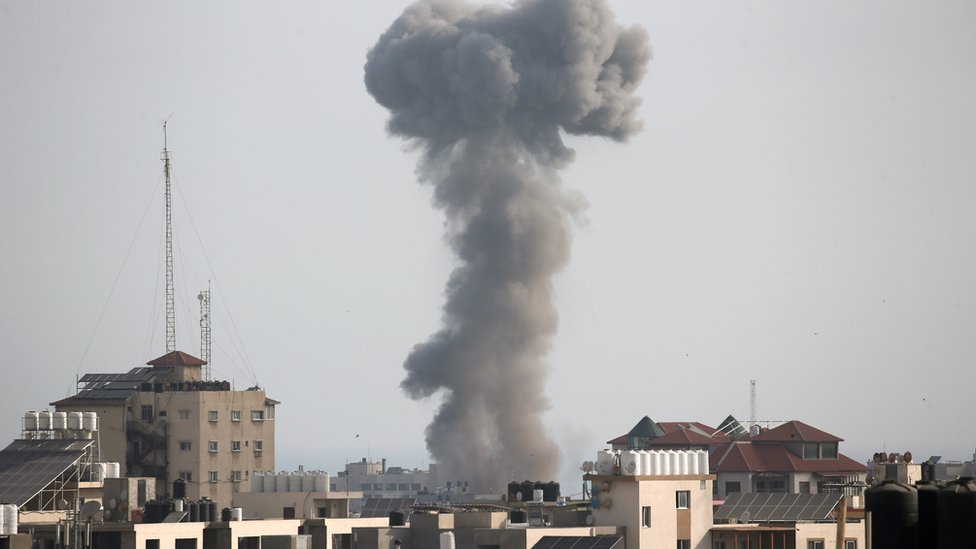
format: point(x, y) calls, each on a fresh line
point(163, 421)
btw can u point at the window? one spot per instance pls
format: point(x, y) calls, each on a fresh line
point(805, 487)
point(366, 487)
point(147, 413)
point(771, 485)
point(850, 543)
point(235, 476)
point(186, 445)
point(186, 476)
point(684, 544)
point(212, 415)
point(235, 415)
point(288, 513)
point(212, 476)
point(258, 446)
point(403, 486)
point(391, 486)
point(682, 499)
point(162, 413)
point(415, 487)
point(183, 414)
point(646, 516)
point(815, 544)
point(733, 488)
point(269, 412)
point(257, 415)
point(212, 445)
point(378, 486)
point(811, 450)
point(333, 488)
point(828, 450)
point(152, 544)
point(235, 446)
point(719, 544)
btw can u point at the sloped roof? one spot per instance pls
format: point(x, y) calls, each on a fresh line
point(795, 431)
point(745, 456)
point(731, 426)
point(686, 437)
point(176, 358)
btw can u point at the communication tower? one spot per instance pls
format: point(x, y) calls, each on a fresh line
point(170, 293)
point(205, 333)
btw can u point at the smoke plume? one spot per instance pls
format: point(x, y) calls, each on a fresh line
point(486, 93)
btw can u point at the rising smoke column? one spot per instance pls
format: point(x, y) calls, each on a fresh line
point(485, 93)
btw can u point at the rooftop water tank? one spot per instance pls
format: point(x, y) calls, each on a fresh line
point(957, 513)
point(30, 420)
point(257, 481)
point(605, 460)
point(74, 420)
point(270, 482)
point(645, 461)
point(894, 515)
point(702, 462)
point(44, 420)
point(447, 540)
point(89, 421)
point(629, 463)
point(281, 482)
point(655, 468)
point(59, 421)
point(295, 482)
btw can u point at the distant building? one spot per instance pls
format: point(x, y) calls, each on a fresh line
point(376, 480)
point(163, 421)
point(792, 458)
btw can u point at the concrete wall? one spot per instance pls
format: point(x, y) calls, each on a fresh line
point(806, 532)
point(270, 505)
point(167, 534)
point(111, 428)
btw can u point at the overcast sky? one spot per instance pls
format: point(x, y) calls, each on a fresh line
point(797, 210)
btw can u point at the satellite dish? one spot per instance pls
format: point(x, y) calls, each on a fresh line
point(589, 520)
point(124, 494)
point(89, 508)
point(907, 457)
point(112, 504)
point(744, 517)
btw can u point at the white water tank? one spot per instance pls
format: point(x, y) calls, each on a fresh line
point(447, 540)
point(281, 482)
point(3, 520)
point(30, 421)
point(257, 482)
point(44, 420)
point(59, 421)
point(629, 463)
point(10, 516)
point(702, 462)
point(693, 462)
point(74, 420)
point(605, 460)
point(645, 462)
point(321, 482)
point(270, 482)
point(236, 513)
point(655, 468)
point(295, 482)
point(683, 462)
point(89, 421)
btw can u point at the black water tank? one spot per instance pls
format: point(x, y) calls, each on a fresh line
point(193, 511)
point(519, 516)
point(225, 514)
point(179, 489)
point(154, 512)
point(212, 510)
point(957, 514)
point(550, 491)
point(894, 515)
point(514, 489)
point(526, 490)
point(928, 521)
point(397, 518)
point(205, 515)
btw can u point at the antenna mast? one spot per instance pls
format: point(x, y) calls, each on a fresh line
point(170, 293)
point(753, 415)
point(205, 333)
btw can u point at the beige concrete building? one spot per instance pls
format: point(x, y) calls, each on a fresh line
point(163, 421)
point(656, 510)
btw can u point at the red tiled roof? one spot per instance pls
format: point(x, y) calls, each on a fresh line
point(795, 431)
point(176, 358)
point(745, 456)
point(679, 433)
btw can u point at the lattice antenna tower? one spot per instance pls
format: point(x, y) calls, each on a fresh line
point(206, 336)
point(170, 293)
point(753, 414)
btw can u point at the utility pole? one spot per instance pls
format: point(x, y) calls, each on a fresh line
point(170, 293)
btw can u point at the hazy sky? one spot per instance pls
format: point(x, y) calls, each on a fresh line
point(798, 210)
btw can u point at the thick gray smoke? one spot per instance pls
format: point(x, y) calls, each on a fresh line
point(485, 92)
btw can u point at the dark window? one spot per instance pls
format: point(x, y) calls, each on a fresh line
point(733, 487)
point(186, 543)
point(684, 544)
point(288, 513)
point(147, 416)
point(682, 499)
point(770, 485)
point(141, 494)
point(152, 544)
point(828, 450)
point(811, 450)
point(646, 516)
point(805, 487)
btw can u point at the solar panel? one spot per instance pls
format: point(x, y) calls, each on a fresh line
point(577, 542)
point(27, 466)
point(382, 507)
point(777, 507)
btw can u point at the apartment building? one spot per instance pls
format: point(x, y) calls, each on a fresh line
point(164, 421)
